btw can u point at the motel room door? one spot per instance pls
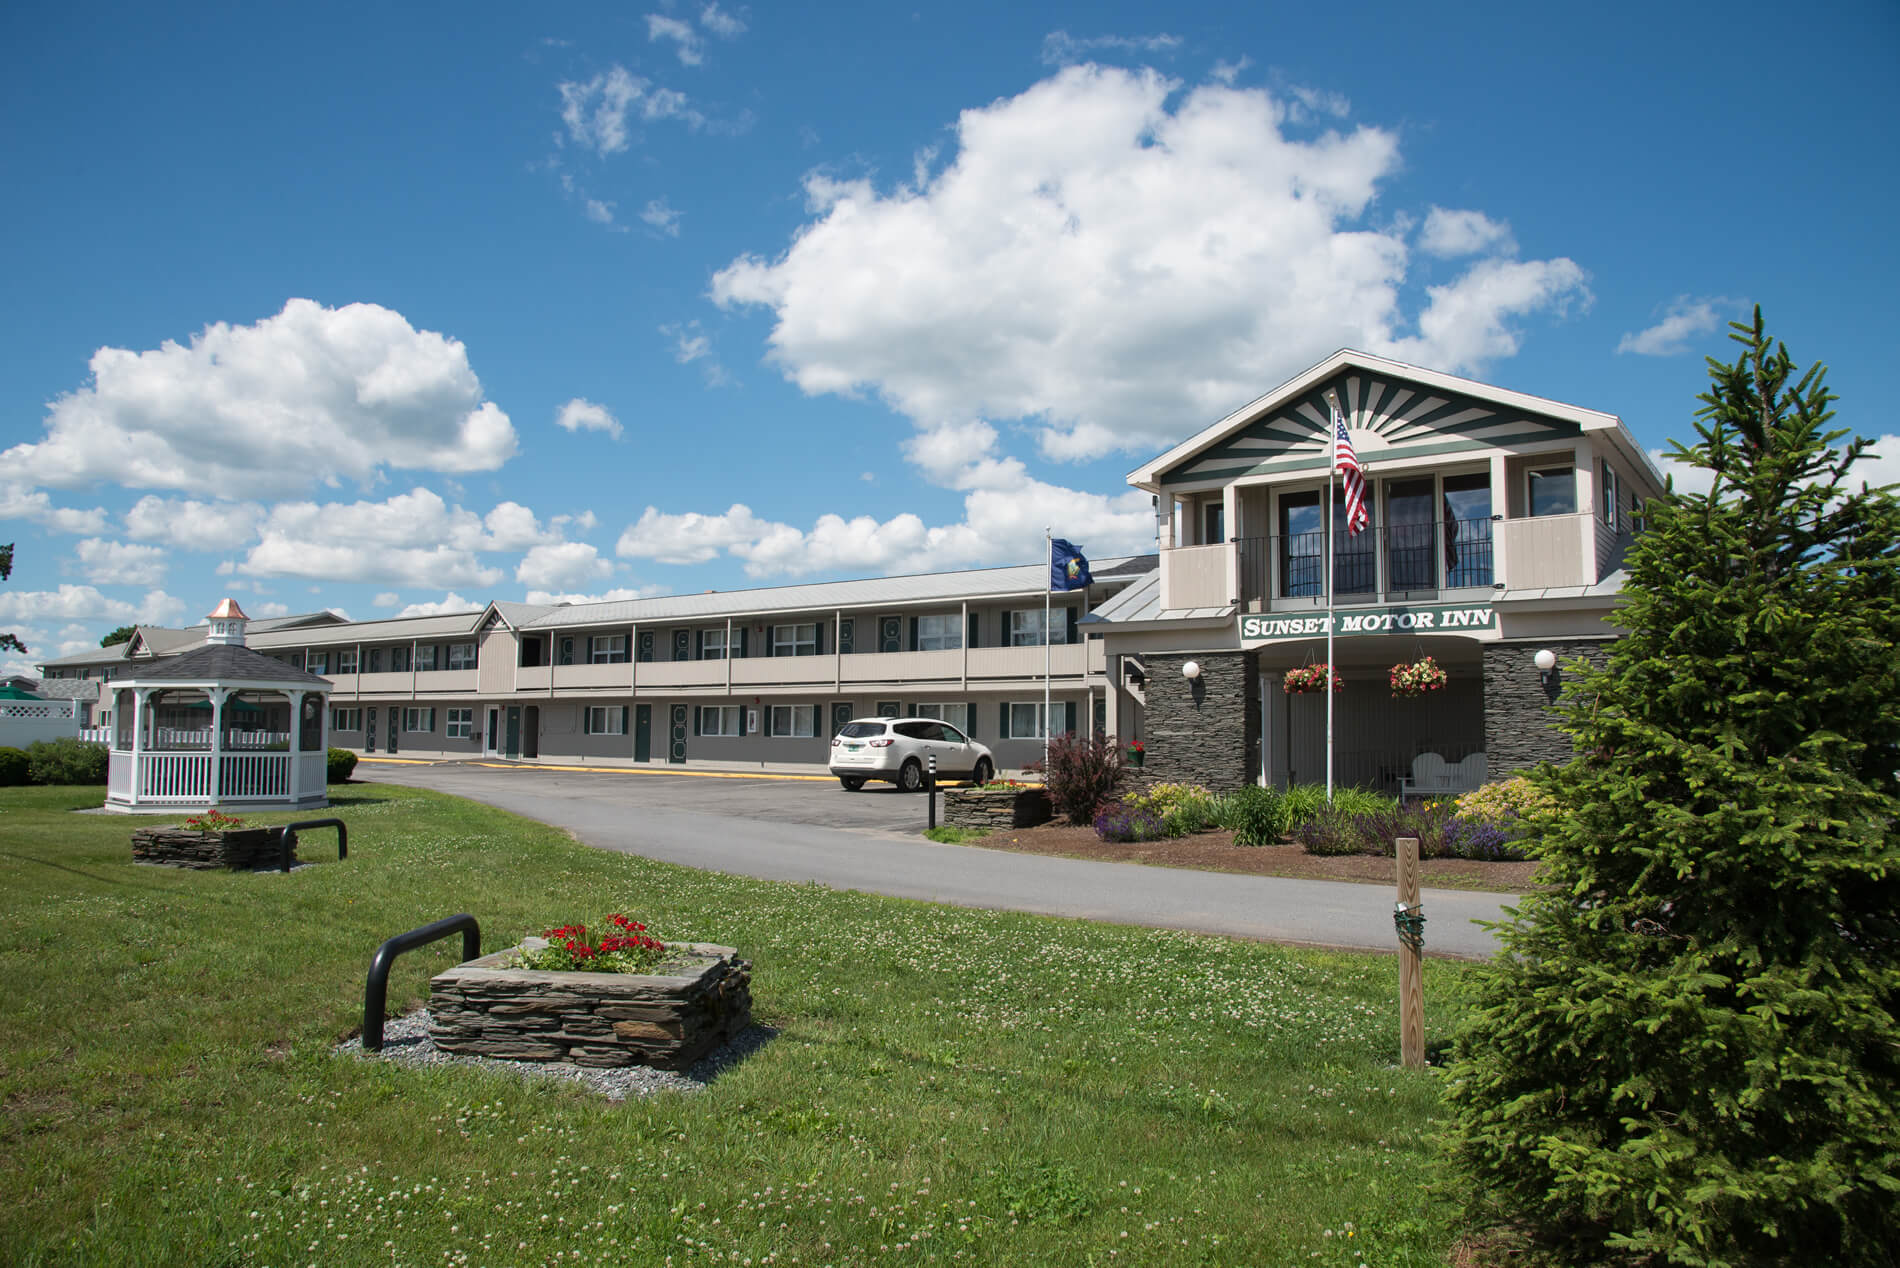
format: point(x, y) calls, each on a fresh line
point(513, 747)
point(642, 732)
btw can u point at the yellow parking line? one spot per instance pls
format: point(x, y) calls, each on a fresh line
point(649, 770)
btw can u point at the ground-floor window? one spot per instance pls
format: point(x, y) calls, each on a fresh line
point(346, 719)
point(1022, 721)
point(461, 723)
point(887, 709)
point(957, 715)
point(794, 720)
point(421, 720)
point(717, 719)
point(605, 719)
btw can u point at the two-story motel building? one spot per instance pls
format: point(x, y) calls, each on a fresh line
point(1498, 526)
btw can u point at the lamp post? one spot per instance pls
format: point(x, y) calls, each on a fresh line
point(1546, 662)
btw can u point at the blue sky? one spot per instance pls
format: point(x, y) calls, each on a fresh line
point(389, 308)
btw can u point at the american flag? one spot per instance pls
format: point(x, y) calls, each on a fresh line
point(1344, 459)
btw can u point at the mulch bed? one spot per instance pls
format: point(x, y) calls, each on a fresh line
point(1216, 852)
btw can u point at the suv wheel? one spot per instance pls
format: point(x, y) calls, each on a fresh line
point(911, 777)
point(984, 772)
point(851, 782)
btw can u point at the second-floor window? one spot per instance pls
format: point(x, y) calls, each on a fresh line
point(399, 660)
point(346, 661)
point(712, 646)
point(461, 655)
point(319, 662)
point(794, 640)
point(1026, 627)
point(1553, 491)
point(425, 657)
point(941, 633)
point(607, 649)
point(373, 661)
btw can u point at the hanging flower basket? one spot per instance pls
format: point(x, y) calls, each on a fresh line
point(1137, 753)
point(1418, 678)
point(1310, 678)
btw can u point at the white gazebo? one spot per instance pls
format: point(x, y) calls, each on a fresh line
point(219, 726)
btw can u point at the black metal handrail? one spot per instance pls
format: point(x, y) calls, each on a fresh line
point(1434, 554)
point(376, 989)
point(287, 839)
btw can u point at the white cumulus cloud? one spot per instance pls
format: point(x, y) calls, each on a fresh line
point(450, 604)
point(581, 414)
point(1115, 270)
point(313, 394)
point(662, 218)
point(193, 525)
point(87, 604)
point(562, 564)
point(120, 563)
point(1671, 336)
point(1453, 233)
point(619, 594)
point(22, 502)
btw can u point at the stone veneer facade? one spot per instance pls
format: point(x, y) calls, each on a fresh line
point(591, 1019)
point(989, 810)
point(240, 848)
point(1518, 720)
point(1205, 731)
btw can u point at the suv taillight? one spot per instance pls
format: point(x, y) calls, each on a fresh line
point(883, 743)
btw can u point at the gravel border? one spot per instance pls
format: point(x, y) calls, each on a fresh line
point(406, 1041)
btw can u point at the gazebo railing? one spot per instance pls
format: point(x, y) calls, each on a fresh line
point(166, 737)
point(187, 776)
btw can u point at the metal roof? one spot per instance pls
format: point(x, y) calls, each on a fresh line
point(1024, 580)
point(399, 627)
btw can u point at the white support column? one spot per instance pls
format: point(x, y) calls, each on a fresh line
point(296, 746)
point(1230, 522)
point(140, 704)
point(1500, 505)
point(1586, 479)
point(216, 783)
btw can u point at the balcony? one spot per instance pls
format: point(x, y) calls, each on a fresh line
point(594, 676)
point(652, 675)
point(1394, 562)
point(1064, 660)
point(445, 681)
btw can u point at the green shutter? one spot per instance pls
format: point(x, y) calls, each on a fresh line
point(742, 640)
point(1002, 725)
point(1069, 709)
point(976, 626)
point(699, 644)
point(913, 634)
point(969, 717)
point(910, 710)
point(1073, 616)
point(696, 726)
point(818, 639)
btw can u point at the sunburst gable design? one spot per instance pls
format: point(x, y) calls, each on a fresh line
point(1387, 414)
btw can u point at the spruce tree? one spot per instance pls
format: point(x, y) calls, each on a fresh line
point(1687, 1051)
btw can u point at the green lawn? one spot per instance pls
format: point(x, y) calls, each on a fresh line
point(945, 1085)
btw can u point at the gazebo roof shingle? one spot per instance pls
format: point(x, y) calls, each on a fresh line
point(220, 662)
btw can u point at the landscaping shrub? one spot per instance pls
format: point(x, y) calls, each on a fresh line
point(1302, 802)
point(66, 761)
point(1083, 775)
point(15, 768)
point(1255, 815)
point(1507, 800)
point(1182, 808)
point(341, 762)
point(1685, 1051)
point(1361, 801)
point(1122, 823)
point(1485, 842)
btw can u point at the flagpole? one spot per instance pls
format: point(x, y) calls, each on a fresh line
point(1332, 464)
point(1048, 579)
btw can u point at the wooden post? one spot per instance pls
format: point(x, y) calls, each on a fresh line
point(1411, 963)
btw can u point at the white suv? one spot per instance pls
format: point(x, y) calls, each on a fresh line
point(899, 750)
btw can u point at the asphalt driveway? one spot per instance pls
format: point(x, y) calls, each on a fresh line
point(804, 830)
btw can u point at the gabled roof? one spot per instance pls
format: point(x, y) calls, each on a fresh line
point(224, 663)
point(1392, 410)
point(394, 628)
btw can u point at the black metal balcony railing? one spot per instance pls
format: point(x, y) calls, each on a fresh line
point(1390, 559)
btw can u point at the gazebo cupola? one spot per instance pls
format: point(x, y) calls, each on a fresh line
point(219, 725)
point(227, 622)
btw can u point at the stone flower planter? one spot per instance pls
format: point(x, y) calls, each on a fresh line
point(669, 1021)
point(239, 848)
point(991, 809)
